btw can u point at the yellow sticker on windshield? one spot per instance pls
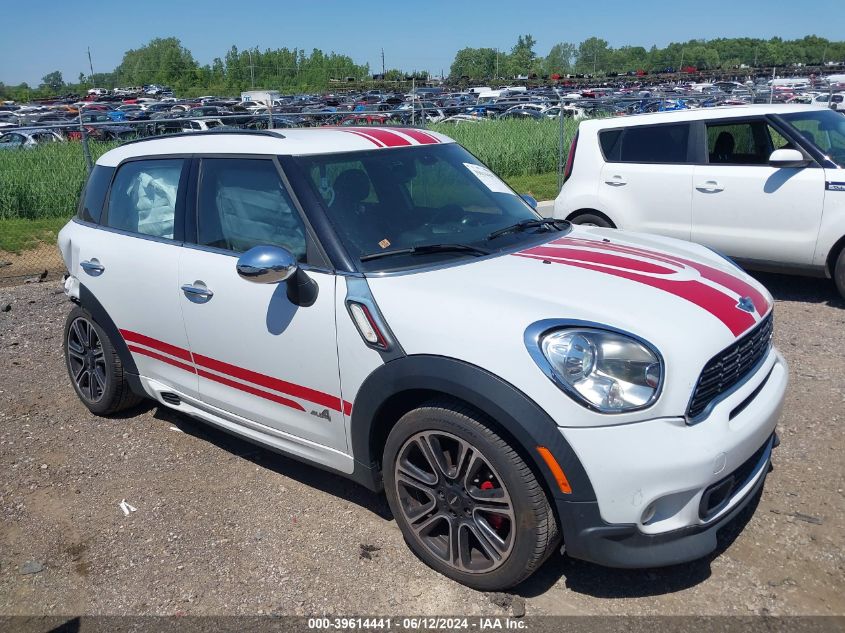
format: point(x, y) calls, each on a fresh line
point(384, 243)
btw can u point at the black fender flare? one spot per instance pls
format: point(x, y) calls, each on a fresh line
point(101, 317)
point(514, 412)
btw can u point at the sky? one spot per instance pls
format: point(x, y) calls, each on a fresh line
point(55, 35)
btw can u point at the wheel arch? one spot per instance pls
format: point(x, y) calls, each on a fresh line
point(833, 255)
point(101, 317)
point(586, 211)
point(408, 382)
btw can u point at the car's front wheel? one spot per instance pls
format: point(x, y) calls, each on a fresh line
point(466, 502)
point(94, 366)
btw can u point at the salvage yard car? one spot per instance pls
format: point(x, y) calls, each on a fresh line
point(377, 302)
point(763, 184)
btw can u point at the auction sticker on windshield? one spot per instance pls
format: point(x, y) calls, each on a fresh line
point(490, 180)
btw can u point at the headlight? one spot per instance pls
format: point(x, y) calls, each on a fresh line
point(604, 370)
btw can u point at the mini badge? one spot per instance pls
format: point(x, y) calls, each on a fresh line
point(746, 304)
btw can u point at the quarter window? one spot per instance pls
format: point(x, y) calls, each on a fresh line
point(646, 144)
point(143, 197)
point(243, 203)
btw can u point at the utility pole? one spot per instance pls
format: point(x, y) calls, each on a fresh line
point(497, 64)
point(382, 63)
point(251, 69)
point(91, 65)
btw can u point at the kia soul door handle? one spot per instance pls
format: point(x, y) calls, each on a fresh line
point(710, 186)
point(616, 181)
point(93, 267)
point(197, 291)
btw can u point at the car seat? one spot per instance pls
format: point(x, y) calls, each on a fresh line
point(723, 149)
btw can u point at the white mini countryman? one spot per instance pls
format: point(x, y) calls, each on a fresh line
point(378, 303)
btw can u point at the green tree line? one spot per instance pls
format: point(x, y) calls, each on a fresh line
point(165, 61)
point(595, 56)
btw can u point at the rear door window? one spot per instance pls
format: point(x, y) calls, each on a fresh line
point(646, 144)
point(143, 197)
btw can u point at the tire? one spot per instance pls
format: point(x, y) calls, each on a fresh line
point(592, 219)
point(441, 509)
point(94, 367)
point(839, 273)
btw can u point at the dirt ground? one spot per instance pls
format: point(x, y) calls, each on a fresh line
point(224, 527)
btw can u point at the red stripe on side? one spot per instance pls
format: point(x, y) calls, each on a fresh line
point(251, 390)
point(388, 137)
point(161, 346)
point(716, 303)
point(297, 391)
point(163, 359)
point(419, 136)
point(365, 136)
point(347, 407)
point(600, 258)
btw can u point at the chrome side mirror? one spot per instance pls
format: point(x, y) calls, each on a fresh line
point(267, 265)
point(531, 200)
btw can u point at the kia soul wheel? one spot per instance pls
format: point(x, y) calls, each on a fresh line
point(465, 501)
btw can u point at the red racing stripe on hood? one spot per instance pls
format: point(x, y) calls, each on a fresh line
point(731, 282)
point(721, 305)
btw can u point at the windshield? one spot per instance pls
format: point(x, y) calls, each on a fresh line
point(824, 128)
point(414, 198)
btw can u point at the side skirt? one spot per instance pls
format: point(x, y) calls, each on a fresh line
point(273, 439)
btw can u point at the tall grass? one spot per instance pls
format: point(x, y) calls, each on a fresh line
point(45, 181)
point(513, 147)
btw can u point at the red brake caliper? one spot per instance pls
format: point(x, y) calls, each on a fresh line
point(495, 520)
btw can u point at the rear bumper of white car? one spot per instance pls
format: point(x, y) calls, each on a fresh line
point(664, 488)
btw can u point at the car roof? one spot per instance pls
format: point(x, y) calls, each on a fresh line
point(324, 140)
point(699, 114)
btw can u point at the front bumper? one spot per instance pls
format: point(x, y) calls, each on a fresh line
point(663, 488)
point(588, 537)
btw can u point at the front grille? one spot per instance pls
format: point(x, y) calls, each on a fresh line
point(729, 367)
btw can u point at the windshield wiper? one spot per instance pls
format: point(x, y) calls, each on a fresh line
point(427, 248)
point(528, 224)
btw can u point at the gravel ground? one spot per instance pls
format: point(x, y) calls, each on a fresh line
point(224, 527)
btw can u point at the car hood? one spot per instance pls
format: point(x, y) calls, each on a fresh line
point(687, 301)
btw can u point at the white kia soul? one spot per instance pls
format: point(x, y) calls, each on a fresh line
point(763, 184)
point(377, 302)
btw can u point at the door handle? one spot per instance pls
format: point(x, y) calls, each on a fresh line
point(616, 181)
point(93, 267)
point(710, 186)
point(197, 290)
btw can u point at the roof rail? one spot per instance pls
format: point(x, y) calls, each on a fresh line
point(206, 133)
